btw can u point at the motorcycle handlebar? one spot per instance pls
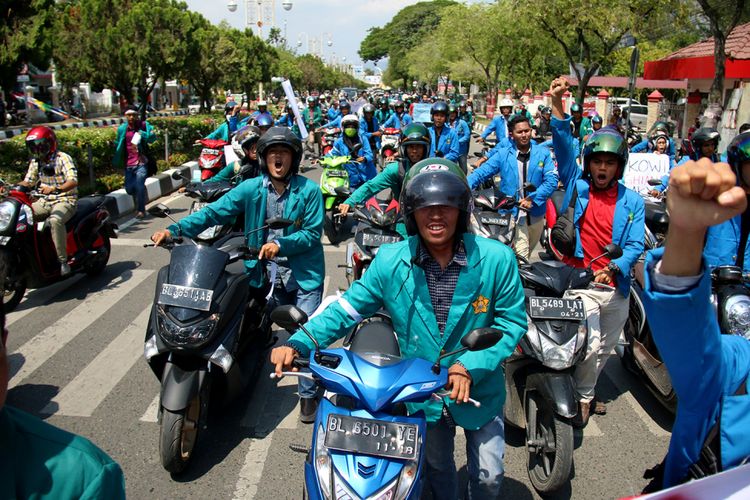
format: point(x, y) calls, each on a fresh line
point(438, 396)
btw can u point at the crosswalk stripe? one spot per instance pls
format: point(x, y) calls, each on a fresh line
point(152, 412)
point(39, 349)
point(40, 296)
point(89, 388)
point(252, 468)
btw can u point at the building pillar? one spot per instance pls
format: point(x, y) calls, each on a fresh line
point(654, 101)
point(692, 110)
point(602, 103)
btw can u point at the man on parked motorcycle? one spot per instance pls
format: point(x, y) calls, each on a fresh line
point(443, 139)
point(438, 285)
point(710, 372)
point(353, 140)
point(464, 136)
point(499, 124)
point(398, 119)
point(414, 147)
point(58, 187)
point(294, 255)
point(524, 161)
point(605, 212)
point(370, 127)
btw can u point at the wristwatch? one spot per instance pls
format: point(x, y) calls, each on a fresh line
point(613, 267)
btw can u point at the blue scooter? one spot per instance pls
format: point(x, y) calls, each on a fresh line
point(364, 446)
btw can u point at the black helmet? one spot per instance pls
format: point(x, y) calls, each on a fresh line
point(280, 136)
point(738, 153)
point(605, 140)
point(383, 100)
point(576, 108)
point(596, 119)
point(439, 107)
point(245, 138)
point(431, 182)
point(702, 136)
point(368, 108)
point(344, 105)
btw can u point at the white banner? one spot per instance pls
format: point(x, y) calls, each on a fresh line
point(287, 86)
point(642, 167)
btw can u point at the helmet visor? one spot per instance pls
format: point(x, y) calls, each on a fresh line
point(739, 151)
point(39, 148)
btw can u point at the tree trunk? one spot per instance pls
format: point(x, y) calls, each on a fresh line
point(715, 96)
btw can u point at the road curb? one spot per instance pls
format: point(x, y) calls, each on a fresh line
point(120, 203)
point(99, 122)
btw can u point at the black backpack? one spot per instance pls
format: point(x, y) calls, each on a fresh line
point(563, 234)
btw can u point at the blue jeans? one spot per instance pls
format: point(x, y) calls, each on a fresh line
point(485, 449)
point(135, 184)
point(308, 302)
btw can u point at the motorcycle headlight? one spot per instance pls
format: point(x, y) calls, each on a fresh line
point(7, 211)
point(209, 164)
point(192, 335)
point(554, 355)
point(737, 314)
point(386, 218)
point(323, 463)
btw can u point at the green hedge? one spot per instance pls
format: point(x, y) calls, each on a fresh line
point(183, 131)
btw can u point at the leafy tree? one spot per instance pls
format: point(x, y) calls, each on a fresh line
point(404, 32)
point(723, 16)
point(252, 65)
point(25, 36)
point(209, 49)
point(426, 61)
point(275, 37)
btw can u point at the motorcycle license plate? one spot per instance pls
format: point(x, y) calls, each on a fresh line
point(553, 308)
point(337, 173)
point(372, 437)
point(185, 296)
point(495, 220)
point(375, 240)
point(210, 152)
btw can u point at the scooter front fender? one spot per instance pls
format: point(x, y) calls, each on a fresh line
point(179, 387)
point(557, 389)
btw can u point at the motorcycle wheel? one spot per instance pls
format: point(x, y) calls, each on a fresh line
point(12, 295)
point(550, 460)
point(333, 225)
point(178, 434)
point(99, 263)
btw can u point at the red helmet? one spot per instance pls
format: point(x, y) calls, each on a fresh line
point(41, 142)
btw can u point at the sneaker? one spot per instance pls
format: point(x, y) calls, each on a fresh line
point(64, 269)
point(307, 409)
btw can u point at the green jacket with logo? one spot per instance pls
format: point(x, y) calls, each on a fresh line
point(488, 293)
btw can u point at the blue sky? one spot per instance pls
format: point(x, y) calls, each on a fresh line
point(347, 21)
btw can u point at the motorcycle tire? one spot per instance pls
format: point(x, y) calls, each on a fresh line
point(333, 226)
point(12, 295)
point(99, 263)
point(178, 434)
point(548, 465)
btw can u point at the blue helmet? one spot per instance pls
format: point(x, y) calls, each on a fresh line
point(264, 120)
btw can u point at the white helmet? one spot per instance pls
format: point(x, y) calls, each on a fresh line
point(349, 119)
point(506, 103)
point(262, 103)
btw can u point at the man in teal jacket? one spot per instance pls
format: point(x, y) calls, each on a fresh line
point(130, 154)
point(605, 212)
point(709, 371)
point(295, 254)
point(438, 285)
point(40, 461)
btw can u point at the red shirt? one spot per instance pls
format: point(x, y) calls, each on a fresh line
point(596, 228)
point(133, 158)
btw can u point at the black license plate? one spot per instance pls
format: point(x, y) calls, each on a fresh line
point(185, 296)
point(499, 220)
point(372, 437)
point(337, 173)
point(553, 308)
point(375, 240)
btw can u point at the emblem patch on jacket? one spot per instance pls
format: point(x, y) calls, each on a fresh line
point(298, 223)
point(480, 305)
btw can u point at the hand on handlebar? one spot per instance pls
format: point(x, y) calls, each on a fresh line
point(525, 204)
point(160, 237)
point(268, 251)
point(44, 189)
point(344, 209)
point(604, 276)
point(459, 383)
point(282, 358)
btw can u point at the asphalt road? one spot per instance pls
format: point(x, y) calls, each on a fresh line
point(77, 361)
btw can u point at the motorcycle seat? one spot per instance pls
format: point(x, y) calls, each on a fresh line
point(86, 206)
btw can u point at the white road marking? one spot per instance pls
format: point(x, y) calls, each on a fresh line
point(130, 242)
point(39, 349)
point(89, 388)
point(252, 468)
point(328, 248)
point(152, 412)
point(40, 296)
point(615, 372)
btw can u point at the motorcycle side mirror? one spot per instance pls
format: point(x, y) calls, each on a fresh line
point(481, 338)
point(176, 175)
point(161, 211)
point(529, 187)
point(506, 203)
point(278, 223)
point(613, 251)
point(476, 340)
point(654, 182)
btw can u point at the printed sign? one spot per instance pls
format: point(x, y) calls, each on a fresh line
point(421, 112)
point(642, 167)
